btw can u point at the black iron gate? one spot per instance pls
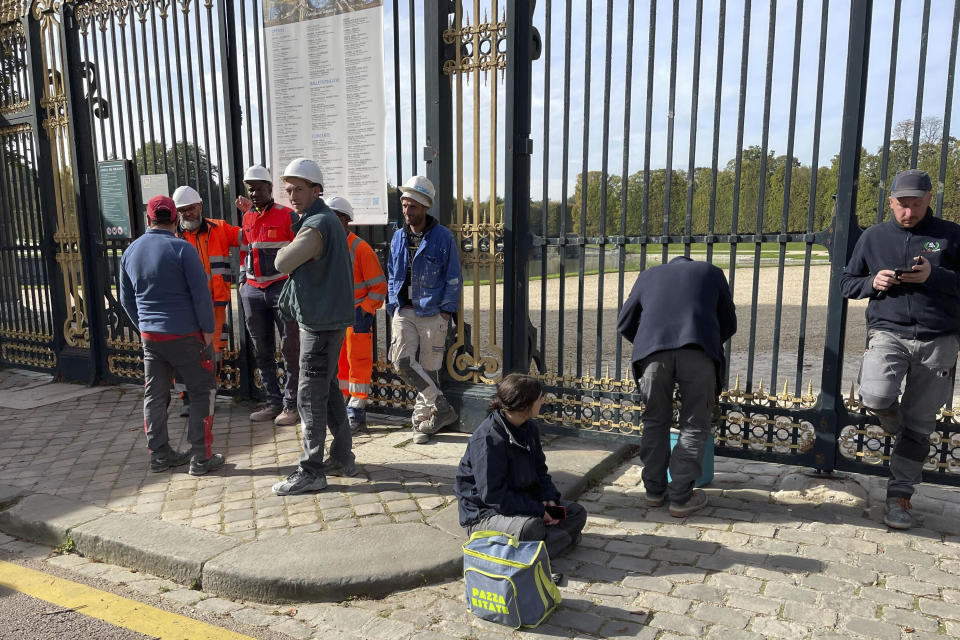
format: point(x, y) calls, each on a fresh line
point(572, 143)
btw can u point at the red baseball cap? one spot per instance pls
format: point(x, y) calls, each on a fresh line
point(161, 209)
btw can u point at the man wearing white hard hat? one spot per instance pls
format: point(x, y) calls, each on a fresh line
point(319, 296)
point(267, 228)
point(213, 240)
point(369, 293)
point(424, 285)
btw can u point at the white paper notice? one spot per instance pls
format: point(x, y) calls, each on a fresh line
point(327, 103)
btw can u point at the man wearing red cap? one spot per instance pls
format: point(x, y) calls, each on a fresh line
point(163, 289)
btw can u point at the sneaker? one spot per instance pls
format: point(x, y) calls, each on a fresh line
point(185, 410)
point(199, 467)
point(334, 467)
point(697, 501)
point(654, 500)
point(286, 418)
point(357, 418)
point(268, 412)
point(896, 513)
point(421, 435)
point(169, 458)
point(299, 482)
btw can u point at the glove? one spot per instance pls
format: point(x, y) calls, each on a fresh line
point(243, 204)
point(362, 321)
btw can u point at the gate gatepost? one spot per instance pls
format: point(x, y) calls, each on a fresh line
point(516, 210)
point(830, 406)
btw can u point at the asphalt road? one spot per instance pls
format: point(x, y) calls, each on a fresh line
point(23, 617)
point(26, 618)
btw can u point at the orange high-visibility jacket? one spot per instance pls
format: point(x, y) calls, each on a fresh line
point(212, 240)
point(265, 233)
point(369, 283)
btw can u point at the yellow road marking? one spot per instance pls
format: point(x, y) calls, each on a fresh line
point(117, 610)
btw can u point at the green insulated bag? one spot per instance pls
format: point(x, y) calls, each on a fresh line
point(508, 581)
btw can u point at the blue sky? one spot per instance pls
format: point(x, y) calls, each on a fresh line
point(908, 41)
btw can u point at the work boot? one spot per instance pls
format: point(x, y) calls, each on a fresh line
point(333, 467)
point(300, 482)
point(445, 414)
point(697, 501)
point(357, 418)
point(890, 419)
point(166, 458)
point(268, 412)
point(654, 500)
point(896, 513)
point(286, 418)
point(199, 467)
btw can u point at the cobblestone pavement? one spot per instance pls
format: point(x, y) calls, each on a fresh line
point(92, 449)
point(744, 567)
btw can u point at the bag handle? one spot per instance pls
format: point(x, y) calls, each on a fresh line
point(490, 537)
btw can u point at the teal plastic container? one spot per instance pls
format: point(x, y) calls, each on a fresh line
point(707, 464)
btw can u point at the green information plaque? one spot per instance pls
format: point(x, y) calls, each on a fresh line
point(114, 179)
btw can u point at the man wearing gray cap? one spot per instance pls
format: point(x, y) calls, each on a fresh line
point(909, 268)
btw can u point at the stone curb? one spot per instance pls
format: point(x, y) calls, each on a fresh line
point(334, 565)
point(47, 519)
point(162, 549)
point(327, 565)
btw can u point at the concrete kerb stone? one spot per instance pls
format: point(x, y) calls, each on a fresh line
point(160, 548)
point(9, 495)
point(47, 519)
point(335, 564)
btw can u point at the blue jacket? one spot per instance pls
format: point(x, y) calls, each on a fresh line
point(503, 472)
point(678, 304)
point(163, 285)
point(922, 311)
point(436, 281)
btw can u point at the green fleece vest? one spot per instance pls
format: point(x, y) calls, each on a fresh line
point(319, 293)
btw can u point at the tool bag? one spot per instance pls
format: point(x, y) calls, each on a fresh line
point(508, 581)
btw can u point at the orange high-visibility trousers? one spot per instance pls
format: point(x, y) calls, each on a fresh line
point(219, 319)
point(356, 364)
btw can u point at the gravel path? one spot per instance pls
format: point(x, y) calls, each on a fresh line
point(600, 306)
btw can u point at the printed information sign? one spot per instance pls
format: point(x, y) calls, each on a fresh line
point(114, 180)
point(325, 65)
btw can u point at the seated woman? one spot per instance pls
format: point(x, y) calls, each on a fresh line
point(503, 484)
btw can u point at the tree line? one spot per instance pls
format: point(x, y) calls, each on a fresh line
point(717, 203)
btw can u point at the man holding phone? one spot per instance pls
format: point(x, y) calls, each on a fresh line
point(909, 268)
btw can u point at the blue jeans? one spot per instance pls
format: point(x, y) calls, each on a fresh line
point(320, 401)
point(262, 313)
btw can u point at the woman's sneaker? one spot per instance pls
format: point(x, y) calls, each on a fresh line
point(300, 482)
point(697, 501)
point(199, 467)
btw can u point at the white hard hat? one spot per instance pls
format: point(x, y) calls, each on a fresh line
point(341, 205)
point(304, 168)
point(185, 196)
point(419, 188)
point(257, 172)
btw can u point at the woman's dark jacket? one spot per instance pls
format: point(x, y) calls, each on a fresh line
point(503, 472)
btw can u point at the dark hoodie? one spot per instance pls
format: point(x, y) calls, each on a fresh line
point(922, 311)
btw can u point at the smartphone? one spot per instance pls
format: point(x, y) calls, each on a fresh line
point(557, 513)
point(899, 272)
